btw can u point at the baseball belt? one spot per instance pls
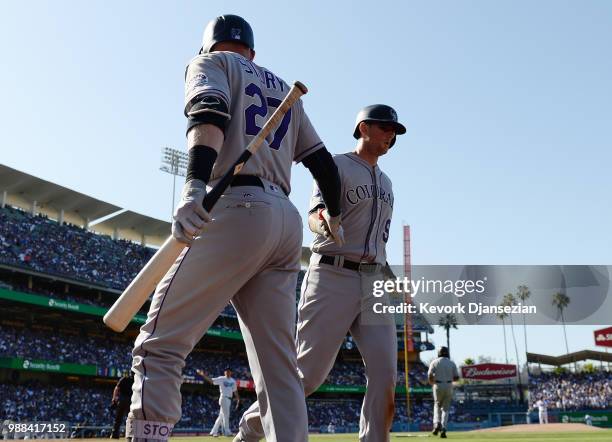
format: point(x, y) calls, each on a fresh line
point(250, 180)
point(339, 261)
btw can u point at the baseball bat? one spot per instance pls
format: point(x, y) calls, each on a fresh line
point(136, 294)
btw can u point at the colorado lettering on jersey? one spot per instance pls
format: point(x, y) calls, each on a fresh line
point(366, 191)
point(266, 78)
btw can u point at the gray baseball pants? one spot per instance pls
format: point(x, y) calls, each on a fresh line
point(335, 301)
point(248, 255)
point(443, 395)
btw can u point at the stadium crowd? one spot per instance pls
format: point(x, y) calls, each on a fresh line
point(77, 296)
point(38, 243)
point(30, 343)
point(41, 244)
point(353, 373)
point(109, 352)
point(572, 391)
point(89, 406)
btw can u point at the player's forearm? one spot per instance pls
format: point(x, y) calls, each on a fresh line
point(204, 142)
point(203, 375)
point(325, 172)
point(205, 135)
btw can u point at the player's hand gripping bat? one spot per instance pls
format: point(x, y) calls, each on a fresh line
point(136, 294)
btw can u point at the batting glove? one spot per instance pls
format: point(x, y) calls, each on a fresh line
point(332, 227)
point(190, 217)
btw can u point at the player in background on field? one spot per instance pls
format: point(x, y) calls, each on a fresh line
point(542, 406)
point(441, 375)
point(122, 395)
point(228, 387)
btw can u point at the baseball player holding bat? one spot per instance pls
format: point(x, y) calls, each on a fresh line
point(249, 254)
point(333, 301)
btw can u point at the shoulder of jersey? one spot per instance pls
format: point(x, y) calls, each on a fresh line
point(211, 55)
point(219, 57)
point(341, 157)
point(384, 175)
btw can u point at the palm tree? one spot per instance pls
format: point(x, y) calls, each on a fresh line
point(502, 315)
point(524, 294)
point(510, 300)
point(447, 322)
point(561, 301)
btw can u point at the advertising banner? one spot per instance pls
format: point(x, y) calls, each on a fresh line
point(48, 366)
point(488, 372)
point(603, 337)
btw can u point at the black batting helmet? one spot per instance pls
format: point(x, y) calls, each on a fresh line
point(379, 112)
point(227, 28)
point(443, 352)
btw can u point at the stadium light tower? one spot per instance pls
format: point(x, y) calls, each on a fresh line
point(174, 162)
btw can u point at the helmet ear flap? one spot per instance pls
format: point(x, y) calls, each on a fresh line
point(357, 132)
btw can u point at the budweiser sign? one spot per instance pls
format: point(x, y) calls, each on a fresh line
point(603, 337)
point(487, 372)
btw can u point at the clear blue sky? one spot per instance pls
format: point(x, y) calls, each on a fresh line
point(508, 106)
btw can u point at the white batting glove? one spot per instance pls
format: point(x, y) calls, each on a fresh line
point(190, 217)
point(332, 227)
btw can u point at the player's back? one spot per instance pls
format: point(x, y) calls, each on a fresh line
point(444, 370)
point(252, 93)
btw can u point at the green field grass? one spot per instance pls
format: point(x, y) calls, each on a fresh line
point(452, 436)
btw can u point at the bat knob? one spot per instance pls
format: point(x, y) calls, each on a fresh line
point(301, 86)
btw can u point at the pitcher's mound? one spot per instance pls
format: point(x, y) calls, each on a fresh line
point(537, 428)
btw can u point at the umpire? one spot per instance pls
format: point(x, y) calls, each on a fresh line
point(442, 372)
point(122, 397)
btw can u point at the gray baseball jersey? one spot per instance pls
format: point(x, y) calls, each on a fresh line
point(251, 93)
point(443, 370)
point(333, 302)
point(367, 206)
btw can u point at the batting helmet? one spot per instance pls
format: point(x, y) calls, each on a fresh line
point(227, 28)
point(379, 112)
point(443, 352)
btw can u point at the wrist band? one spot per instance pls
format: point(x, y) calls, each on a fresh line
point(201, 161)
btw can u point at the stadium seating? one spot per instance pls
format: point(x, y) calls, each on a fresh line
point(572, 391)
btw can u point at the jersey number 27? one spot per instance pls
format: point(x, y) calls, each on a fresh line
point(253, 110)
